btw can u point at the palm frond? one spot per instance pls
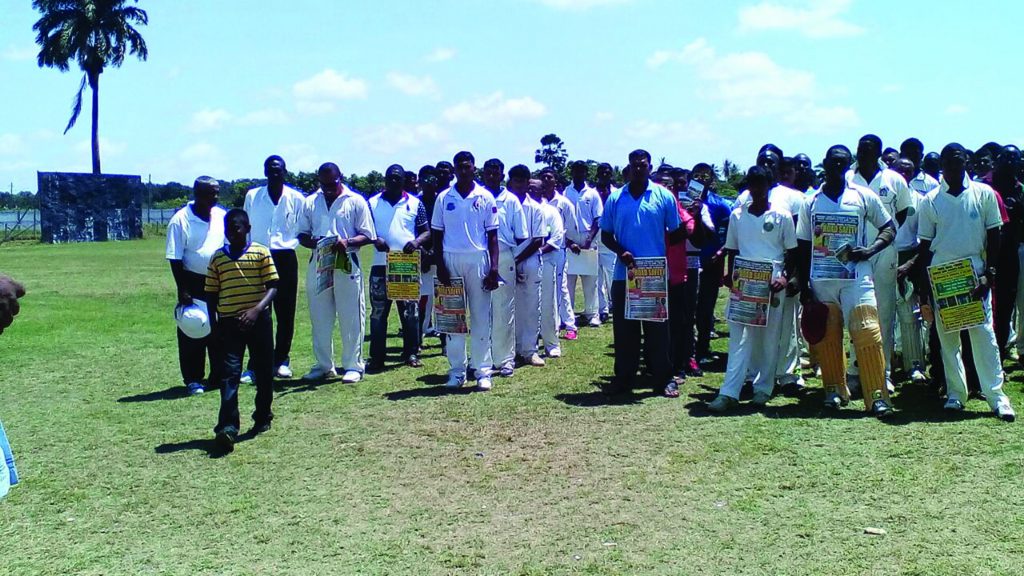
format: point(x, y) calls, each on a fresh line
point(76, 106)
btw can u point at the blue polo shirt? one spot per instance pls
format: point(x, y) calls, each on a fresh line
point(720, 209)
point(640, 224)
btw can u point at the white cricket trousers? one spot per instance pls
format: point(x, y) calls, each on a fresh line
point(549, 300)
point(788, 363)
point(471, 267)
point(427, 291)
point(346, 303)
point(528, 306)
point(565, 312)
point(986, 359)
point(754, 350)
point(503, 312)
point(605, 269)
point(590, 303)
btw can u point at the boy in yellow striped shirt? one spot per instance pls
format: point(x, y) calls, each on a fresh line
point(241, 282)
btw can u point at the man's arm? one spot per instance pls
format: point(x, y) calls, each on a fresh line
point(886, 234)
point(531, 248)
point(491, 280)
point(249, 317)
point(180, 275)
point(608, 239)
point(442, 270)
point(803, 270)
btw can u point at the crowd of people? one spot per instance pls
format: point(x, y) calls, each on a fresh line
point(509, 237)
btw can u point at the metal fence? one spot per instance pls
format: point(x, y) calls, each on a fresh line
point(9, 219)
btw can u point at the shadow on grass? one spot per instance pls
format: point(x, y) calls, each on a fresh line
point(172, 393)
point(604, 396)
point(207, 445)
point(433, 389)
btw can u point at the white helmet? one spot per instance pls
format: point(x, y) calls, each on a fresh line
point(193, 320)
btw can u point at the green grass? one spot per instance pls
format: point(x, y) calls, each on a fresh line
point(390, 476)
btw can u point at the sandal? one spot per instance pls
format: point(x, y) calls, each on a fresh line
point(672, 390)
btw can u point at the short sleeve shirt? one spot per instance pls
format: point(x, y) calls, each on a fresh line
point(554, 230)
point(920, 186)
point(511, 221)
point(275, 226)
point(857, 200)
point(534, 218)
point(194, 240)
point(639, 224)
point(465, 221)
point(781, 197)
point(890, 187)
point(589, 207)
point(351, 218)
point(957, 226)
point(396, 223)
point(678, 263)
point(764, 237)
point(567, 211)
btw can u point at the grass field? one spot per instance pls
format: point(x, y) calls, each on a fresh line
point(392, 476)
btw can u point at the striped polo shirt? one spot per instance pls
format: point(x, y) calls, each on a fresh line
point(240, 283)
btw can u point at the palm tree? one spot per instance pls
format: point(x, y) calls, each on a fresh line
point(96, 34)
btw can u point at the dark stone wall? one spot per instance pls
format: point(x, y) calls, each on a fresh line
point(89, 208)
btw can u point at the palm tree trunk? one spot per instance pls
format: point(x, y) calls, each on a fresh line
point(94, 85)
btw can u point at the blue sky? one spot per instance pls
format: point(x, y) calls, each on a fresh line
point(365, 84)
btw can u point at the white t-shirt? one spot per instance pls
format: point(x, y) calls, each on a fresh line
point(348, 217)
point(597, 239)
point(194, 240)
point(534, 218)
point(764, 237)
point(553, 228)
point(465, 221)
point(920, 186)
point(858, 200)
point(317, 218)
point(588, 206)
point(957, 226)
point(275, 226)
point(395, 224)
point(511, 221)
point(567, 212)
point(780, 196)
point(890, 187)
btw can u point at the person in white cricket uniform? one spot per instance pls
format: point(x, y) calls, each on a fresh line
point(847, 290)
point(567, 212)
point(554, 241)
point(870, 172)
point(605, 257)
point(528, 269)
point(588, 208)
point(274, 212)
point(511, 233)
point(194, 233)
point(336, 211)
point(762, 232)
point(465, 226)
point(961, 220)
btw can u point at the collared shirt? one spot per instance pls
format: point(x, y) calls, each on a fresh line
point(396, 223)
point(567, 211)
point(536, 226)
point(764, 237)
point(780, 196)
point(240, 282)
point(589, 208)
point(958, 226)
point(597, 239)
point(719, 209)
point(511, 220)
point(554, 231)
point(676, 254)
point(348, 216)
point(890, 187)
point(857, 200)
point(274, 225)
point(639, 224)
point(920, 186)
point(194, 240)
point(465, 221)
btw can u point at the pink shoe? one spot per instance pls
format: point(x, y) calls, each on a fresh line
point(570, 334)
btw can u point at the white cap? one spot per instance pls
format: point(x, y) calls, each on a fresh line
point(193, 320)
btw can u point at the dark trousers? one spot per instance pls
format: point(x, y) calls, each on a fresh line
point(287, 265)
point(707, 297)
point(682, 307)
point(259, 339)
point(627, 334)
point(380, 309)
point(1004, 296)
point(192, 353)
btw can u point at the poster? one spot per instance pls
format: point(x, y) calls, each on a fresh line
point(647, 290)
point(952, 285)
point(325, 259)
point(403, 276)
point(693, 192)
point(833, 236)
point(751, 295)
point(582, 264)
point(450, 307)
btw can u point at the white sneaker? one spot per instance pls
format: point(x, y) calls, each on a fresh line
point(284, 371)
point(1004, 411)
point(953, 405)
point(351, 377)
point(454, 382)
point(246, 377)
point(918, 376)
point(555, 353)
point(318, 373)
point(595, 322)
point(484, 384)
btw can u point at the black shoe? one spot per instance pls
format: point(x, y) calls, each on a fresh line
point(226, 438)
point(261, 428)
point(374, 367)
point(792, 390)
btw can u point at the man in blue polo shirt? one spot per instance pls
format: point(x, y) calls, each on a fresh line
point(634, 225)
point(711, 272)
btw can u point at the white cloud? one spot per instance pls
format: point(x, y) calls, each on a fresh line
point(647, 132)
point(265, 117)
point(203, 158)
point(495, 111)
point(440, 55)
point(603, 117)
point(207, 120)
point(391, 138)
point(580, 4)
point(812, 18)
point(414, 85)
point(953, 109)
point(822, 120)
point(319, 93)
point(19, 54)
point(301, 157)
point(11, 144)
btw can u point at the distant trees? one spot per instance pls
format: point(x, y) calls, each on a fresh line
point(552, 153)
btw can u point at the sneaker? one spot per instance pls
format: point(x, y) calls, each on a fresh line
point(261, 428)
point(318, 373)
point(454, 382)
point(603, 317)
point(595, 322)
point(506, 371)
point(535, 360)
point(693, 369)
point(484, 384)
point(722, 403)
point(761, 398)
point(953, 405)
point(555, 353)
point(284, 371)
point(351, 377)
point(833, 401)
point(671, 389)
point(247, 377)
point(413, 361)
point(1004, 411)
point(881, 408)
point(195, 388)
point(374, 367)
point(226, 438)
point(917, 375)
point(570, 335)
point(792, 389)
